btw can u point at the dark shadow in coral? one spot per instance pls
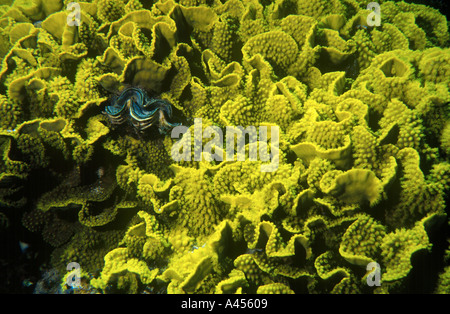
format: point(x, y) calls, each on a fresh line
point(427, 266)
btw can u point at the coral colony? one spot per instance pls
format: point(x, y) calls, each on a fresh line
point(192, 146)
point(181, 150)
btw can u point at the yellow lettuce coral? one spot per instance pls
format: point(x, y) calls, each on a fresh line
point(194, 193)
point(361, 241)
point(361, 113)
point(397, 249)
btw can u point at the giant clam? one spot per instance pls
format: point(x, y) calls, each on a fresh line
point(134, 105)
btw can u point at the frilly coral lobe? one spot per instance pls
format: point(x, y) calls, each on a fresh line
point(364, 137)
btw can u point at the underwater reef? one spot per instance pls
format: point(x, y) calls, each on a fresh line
point(364, 138)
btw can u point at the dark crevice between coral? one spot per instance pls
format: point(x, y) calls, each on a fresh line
point(80, 123)
point(124, 282)
point(68, 214)
point(434, 141)
point(167, 81)
point(321, 285)
point(39, 181)
point(427, 265)
point(196, 68)
point(300, 285)
point(425, 164)
point(318, 244)
point(287, 7)
point(265, 3)
point(291, 157)
point(428, 29)
point(278, 70)
point(350, 10)
point(349, 65)
point(25, 106)
point(442, 5)
point(94, 46)
point(391, 137)
point(262, 240)
point(58, 162)
point(298, 260)
point(119, 131)
point(412, 44)
point(21, 269)
point(162, 47)
point(10, 65)
point(392, 199)
point(148, 4)
point(236, 51)
point(187, 113)
point(103, 160)
point(69, 69)
point(378, 212)
point(184, 30)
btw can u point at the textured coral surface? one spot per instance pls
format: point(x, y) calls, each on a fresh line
point(364, 138)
